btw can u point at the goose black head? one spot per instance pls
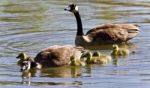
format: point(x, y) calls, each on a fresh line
point(72, 8)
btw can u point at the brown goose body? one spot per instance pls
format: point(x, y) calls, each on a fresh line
point(101, 34)
point(56, 55)
point(112, 33)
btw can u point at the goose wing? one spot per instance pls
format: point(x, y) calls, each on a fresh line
point(56, 56)
point(113, 32)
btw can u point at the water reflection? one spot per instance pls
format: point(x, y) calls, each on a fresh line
point(54, 72)
point(128, 45)
point(24, 25)
point(26, 77)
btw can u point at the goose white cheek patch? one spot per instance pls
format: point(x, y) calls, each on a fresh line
point(76, 8)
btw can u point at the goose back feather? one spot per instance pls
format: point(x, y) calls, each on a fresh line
point(56, 55)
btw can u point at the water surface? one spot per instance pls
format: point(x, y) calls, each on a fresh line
point(31, 25)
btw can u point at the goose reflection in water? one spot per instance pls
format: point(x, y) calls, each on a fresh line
point(26, 77)
point(53, 72)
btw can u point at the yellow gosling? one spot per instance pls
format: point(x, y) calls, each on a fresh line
point(96, 58)
point(76, 61)
point(101, 58)
point(119, 51)
point(21, 57)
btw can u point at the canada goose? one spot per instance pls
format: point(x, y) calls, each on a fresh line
point(101, 34)
point(54, 56)
point(96, 58)
point(21, 57)
point(119, 51)
point(58, 55)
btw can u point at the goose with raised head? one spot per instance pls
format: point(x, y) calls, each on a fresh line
point(102, 34)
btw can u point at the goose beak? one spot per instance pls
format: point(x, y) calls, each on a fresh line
point(67, 9)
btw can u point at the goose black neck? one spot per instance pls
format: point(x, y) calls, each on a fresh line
point(79, 24)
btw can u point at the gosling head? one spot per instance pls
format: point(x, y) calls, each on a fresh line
point(115, 47)
point(87, 56)
point(22, 56)
point(72, 8)
point(96, 54)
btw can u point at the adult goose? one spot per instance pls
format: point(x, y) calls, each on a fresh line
point(58, 55)
point(53, 56)
point(102, 34)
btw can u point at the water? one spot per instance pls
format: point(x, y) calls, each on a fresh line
point(31, 25)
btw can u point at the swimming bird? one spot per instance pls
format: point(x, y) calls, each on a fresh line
point(104, 33)
point(21, 57)
point(96, 58)
point(54, 56)
point(58, 55)
point(119, 51)
point(76, 61)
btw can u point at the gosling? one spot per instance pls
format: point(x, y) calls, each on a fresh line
point(21, 57)
point(96, 58)
point(76, 61)
point(119, 51)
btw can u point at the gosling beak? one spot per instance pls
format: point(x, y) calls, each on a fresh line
point(17, 57)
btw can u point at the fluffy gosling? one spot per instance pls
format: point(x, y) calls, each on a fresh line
point(119, 51)
point(21, 57)
point(76, 61)
point(96, 58)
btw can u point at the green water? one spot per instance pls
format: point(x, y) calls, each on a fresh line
point(31, 25)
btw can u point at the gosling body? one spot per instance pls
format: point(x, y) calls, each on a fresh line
point(96, 58)
point(119, 51)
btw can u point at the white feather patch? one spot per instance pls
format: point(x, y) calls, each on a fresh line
point(76, 8)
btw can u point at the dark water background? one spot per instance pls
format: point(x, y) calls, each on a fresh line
point(31, 25)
